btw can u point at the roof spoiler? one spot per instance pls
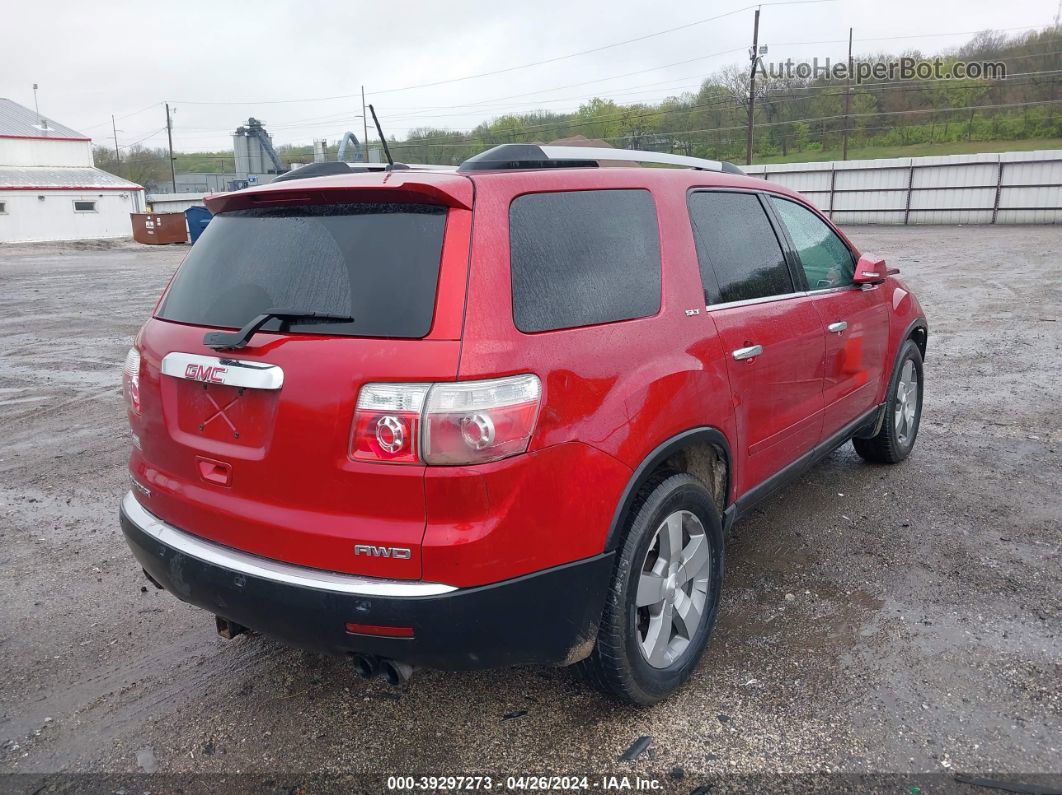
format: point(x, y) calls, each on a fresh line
point(383, 187)
point(532, 156)
point(327, 169)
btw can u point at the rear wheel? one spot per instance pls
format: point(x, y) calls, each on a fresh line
point(664, 594)
point(903, 411)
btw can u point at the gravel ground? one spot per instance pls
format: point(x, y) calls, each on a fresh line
point(875, 619)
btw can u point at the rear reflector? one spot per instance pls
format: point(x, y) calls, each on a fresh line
point(383, 632)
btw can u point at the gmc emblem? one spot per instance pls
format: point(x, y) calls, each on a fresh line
point(200, 372)
point(398, 553)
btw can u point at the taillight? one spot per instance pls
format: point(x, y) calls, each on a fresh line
point(467, 422)
point(131, 379)
point(387, 423)
point(475, 421)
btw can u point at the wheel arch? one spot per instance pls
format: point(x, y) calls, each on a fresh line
point(684, 452)
point(918, 331)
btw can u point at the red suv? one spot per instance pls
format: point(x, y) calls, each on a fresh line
point(502, 415)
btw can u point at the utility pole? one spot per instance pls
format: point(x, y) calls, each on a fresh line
point(364, 127)
point(114, 128)
point(754, 57)
point(169, 136)
point(847, 99)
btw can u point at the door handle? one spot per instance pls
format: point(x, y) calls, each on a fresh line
point(837, 328)
point(748, 353)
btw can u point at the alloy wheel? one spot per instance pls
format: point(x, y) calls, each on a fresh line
point(672, 588)
point(906, 407)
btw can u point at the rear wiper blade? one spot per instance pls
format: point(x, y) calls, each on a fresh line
point(233, 340)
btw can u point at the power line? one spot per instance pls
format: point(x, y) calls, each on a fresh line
point(126, 116)
point(768, 124)
point(412, 116)
point(876, 113)
point(910, 36)
point(508, 109)
point(484, 104)
point(691, 24)
point(824, 90)
point(612, 77)
point(141, 140)
point(583, 52)
point(557, 58)
point(488, 102)
point(714, 104)
point(814, 136)
point(509, 69)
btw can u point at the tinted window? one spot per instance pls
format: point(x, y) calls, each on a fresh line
point(377, 263)
point(826, 260)
point(583, 257)
point(739, 254)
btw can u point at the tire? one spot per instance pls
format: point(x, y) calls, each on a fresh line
point(903, 412)
point(632, 659)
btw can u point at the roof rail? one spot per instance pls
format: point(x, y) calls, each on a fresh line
point(530, 156)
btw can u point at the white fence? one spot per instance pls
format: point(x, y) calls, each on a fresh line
point(1006, 188)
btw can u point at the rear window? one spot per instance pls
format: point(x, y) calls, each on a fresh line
point(739, 253)
point(376, 263)
point(581, 258)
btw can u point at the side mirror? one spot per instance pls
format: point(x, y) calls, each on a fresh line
point(870, 270)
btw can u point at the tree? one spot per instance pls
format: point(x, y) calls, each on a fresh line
point(139, 164)
point(793, 114)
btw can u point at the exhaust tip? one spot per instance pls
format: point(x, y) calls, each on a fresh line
point(367, 665)
point(397, 673)
point(228, 629)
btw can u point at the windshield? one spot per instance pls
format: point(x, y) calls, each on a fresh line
point(375, 263)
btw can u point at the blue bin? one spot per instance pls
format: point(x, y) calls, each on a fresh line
point(198, 218)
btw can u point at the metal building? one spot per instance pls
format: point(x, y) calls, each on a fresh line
point(253, 150)
point(49, 188)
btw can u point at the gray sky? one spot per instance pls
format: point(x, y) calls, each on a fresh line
point(95, 59)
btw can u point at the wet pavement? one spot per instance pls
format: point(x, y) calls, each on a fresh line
point(902, 619)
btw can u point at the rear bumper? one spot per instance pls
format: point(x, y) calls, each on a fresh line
point(549, 617)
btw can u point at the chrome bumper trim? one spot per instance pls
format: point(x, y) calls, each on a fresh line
point(275, 571)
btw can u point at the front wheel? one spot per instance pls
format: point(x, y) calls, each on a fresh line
point(664, 594)
point(903, 411)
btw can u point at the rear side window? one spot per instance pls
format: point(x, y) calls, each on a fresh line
point(376, 263)
point(826, 260)
point(580, 258)
point(739, 254)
